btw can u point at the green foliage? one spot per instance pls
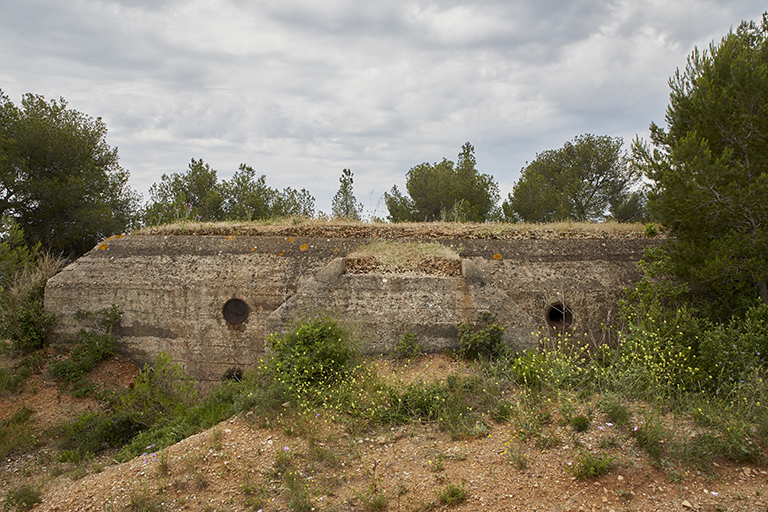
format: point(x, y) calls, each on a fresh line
point(728, 351)
point(22, 317)
point(318, 352)
point(15, 432)
point(15, 253)
point(160, 391)
point(616, 411)
point(529, 369)
point(59, 178)
point(344, 205)
point(482, 339)
point(709, 186)
point(22, 498)
point(91, 347)
point(198, 196)
point(651, 436)
point(453, 495)
point(407, 347)
point(444, 191)
point(581, 181)
point(580, 423)
point(589, 465)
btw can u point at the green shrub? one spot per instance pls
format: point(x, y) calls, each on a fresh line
point(407, 347)
point(529, 369)
point(23, 498)
point(482, 339)
point(15, 433)
point(318, 352)
point(453, 495)
point(91, 348)
point(727, 352)
point(159, 391)
point(580, 423)
point(589, 465)
point(651, 437)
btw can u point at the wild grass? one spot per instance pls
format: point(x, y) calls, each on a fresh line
point(399, 255)
point(299, 226)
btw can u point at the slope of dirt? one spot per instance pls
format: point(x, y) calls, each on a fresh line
point(239, 465)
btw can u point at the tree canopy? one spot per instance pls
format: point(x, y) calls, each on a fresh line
point(198, 195)
point(585, 180)
point(345, 205)
point(59, 179)
point(445, 191)
point(709, 168)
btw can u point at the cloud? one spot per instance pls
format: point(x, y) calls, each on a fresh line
point(301, 89)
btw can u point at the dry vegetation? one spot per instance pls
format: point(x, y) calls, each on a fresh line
point(299, 226)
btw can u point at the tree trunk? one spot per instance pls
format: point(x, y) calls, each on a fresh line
point(762, 288)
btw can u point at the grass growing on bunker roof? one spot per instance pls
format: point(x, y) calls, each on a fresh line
point(339, 228)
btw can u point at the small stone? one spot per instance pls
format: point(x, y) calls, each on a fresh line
point(687, 504)
point(620, 478)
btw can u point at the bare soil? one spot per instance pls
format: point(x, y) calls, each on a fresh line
point(238, 465)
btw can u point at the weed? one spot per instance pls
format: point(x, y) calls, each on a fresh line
point(616, 411)
point(650, 437)
point(91, 348)
point(482, 339)
point(589, 465)
point(453, 495)
point(407, 347)
point(22, 498)
point(141, 500)
point(580, 423)
point(14, 434)
point(517, 457)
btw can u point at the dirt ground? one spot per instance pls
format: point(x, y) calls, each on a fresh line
point(238, 466)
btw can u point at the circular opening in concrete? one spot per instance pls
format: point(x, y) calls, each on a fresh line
point(559, 316)
point(235, 311)
point(235, 374)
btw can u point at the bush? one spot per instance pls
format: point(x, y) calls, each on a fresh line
point(160, 391)
point(590, 465)
point(727, 352)
point(316, 353)
point(407, 347)
point(482, 339)
point(23, 498)
point(90, 349)
point(22, 282)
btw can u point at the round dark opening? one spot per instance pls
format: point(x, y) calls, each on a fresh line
point(235, 374)
point(559, 316)
point(235, 311)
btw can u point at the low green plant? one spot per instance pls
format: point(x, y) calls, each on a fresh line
point(22, 498)
point(453, 495)
point(589, 465)
point(650, 437)
point(24, 270)
point(142, 500)
point(318, 352)
point(15, 433)
point(482, 338)
point(91, 348)
point(407, 347)
point(517, 457)
point(615, 411)
point(580, 423)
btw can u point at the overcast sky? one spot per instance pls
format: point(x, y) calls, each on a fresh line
point(300, 89)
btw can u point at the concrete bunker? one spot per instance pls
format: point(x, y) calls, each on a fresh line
point(193, 296)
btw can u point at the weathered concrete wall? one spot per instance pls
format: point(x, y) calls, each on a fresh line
point(173, 289)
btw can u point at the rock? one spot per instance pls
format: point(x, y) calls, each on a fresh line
point(687, 504)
